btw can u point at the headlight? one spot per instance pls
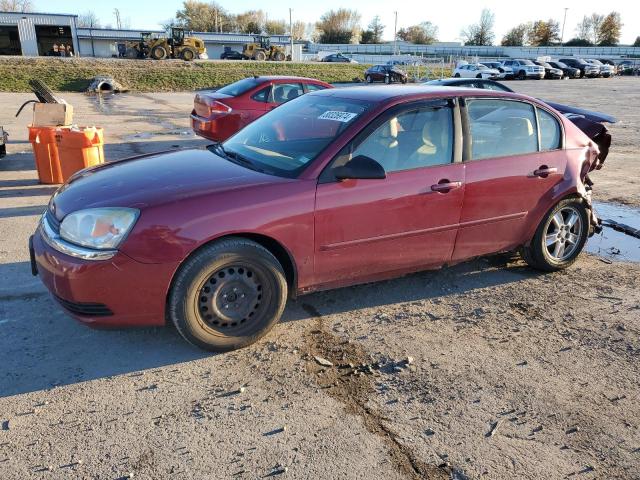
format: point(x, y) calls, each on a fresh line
point(99, 228)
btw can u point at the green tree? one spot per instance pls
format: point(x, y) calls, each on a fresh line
point(374, 31)
point(544, 33)
point(275, 27)
point(339, 26)
point(251, 21)
point(578, 42)
point(204, 17)
point(424, 33)
point(480, 33)
point(517, 36)
point(610, 28)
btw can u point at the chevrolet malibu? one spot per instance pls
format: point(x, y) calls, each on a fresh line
point(335, 188)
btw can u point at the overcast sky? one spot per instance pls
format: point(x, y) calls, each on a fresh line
point(450, 17)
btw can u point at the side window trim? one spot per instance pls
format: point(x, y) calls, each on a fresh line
point(450, 102)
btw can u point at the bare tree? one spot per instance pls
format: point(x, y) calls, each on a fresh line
point(589, 28)
point(299, 30)
point(480, 33)
point(374, 31)
point(23, 6)
point(88, 19)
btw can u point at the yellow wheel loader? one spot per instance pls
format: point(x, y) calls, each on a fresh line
point(262, 50)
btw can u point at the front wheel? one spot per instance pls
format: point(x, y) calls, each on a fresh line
point(457, 75)
point(560, 237)
point(522, 75)
point(369, 79)
point(228, 295)
point(387, 79)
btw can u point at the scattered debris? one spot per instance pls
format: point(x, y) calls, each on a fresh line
point(493, 429)
point(5, 425)
point(323, 361)
point(572, 430)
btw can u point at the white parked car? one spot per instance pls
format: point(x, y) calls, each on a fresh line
point(475, 70)
point(606, 70)
point(506, 73)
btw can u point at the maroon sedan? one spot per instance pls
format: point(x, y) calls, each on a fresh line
point(335, 188)
point(218, 115)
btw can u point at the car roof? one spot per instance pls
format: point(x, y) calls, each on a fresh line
point(390, 94)
point(269, 78)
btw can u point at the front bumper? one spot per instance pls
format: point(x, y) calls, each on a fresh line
point(118, 292)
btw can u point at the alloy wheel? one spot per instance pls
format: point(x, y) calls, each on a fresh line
point(563, 233)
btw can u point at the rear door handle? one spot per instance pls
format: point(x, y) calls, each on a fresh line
point(544, 171)
point(444, 186)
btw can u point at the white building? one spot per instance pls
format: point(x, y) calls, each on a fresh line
point(33, 34)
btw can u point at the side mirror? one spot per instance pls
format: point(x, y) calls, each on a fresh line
point(360, 167)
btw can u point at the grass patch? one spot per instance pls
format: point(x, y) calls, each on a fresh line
point(75, 74)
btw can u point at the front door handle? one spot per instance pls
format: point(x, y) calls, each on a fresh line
point(443, 186)
point(543, 171)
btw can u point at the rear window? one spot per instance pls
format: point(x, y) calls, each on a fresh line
point(239, 87)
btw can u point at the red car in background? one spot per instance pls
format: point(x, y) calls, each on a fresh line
point(219, 114)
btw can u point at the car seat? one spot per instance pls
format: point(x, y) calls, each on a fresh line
point(518, 137)
point(382, 145)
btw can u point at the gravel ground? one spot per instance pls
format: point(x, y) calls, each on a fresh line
point(483, 370)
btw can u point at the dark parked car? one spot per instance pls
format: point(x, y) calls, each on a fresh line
point(232, 55)
point(337, 57)
point(385, 73)
point(568, 72)
point(337, 187)
point(550, 72)
point(586, 69)
point(219, 114)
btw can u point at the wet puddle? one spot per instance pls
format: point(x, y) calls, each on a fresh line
point(612, 245)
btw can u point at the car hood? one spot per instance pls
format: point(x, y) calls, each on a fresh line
point(151, 180)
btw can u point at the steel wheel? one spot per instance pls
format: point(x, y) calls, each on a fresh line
point(231, 297)
point(563, 233)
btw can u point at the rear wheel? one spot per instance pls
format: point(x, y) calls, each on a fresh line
point(560, 237)
point(228, 295)
point(369, 79)
point(522, 75)
point(479, 75)
point(457, 75)
point(279, 57)
point(260, 56)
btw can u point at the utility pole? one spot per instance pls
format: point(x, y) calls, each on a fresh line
point(291, 32)
point(395, 34)
point(563, 23)
point(116, 12)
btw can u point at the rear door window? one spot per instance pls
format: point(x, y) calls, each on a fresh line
point(283, 92)
point(501, 128)
point(262, 95)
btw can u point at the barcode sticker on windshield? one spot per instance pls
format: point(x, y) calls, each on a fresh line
point(338, 116)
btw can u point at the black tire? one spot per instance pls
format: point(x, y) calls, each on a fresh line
point(404, 80)
point(387, 79)
point(159, 53)
point(479, 75)
point(205, 282)
point(522, 75)
point(260, 56)
point(457, 75)
point(369, 79)
point(188, 54)
point(537, 253)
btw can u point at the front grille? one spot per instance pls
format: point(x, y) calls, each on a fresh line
point(85, 309)
point(54, 223)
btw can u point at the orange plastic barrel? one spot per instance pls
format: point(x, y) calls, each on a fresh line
point(45, 150)
point(79, 148)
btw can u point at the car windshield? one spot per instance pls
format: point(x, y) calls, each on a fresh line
point(284, 141)
point(560, 65)
point(527, 62)
point(594, 61)
point(482, 67)
point(239, 87)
